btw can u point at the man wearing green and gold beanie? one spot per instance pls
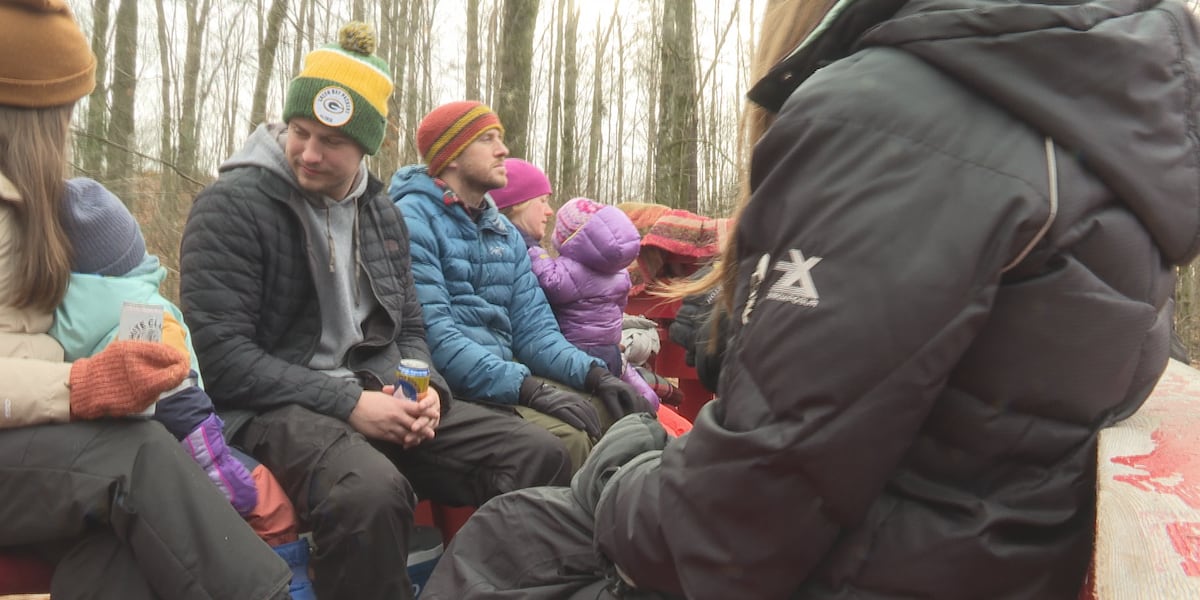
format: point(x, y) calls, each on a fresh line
point(295, 278)
point(344, 86)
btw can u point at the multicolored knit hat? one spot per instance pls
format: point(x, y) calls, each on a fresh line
point(45, 60)
point(571, 216)
point(447, 130)
point(525, 182)
point(345, 87)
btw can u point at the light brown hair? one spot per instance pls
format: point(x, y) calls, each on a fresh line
point(33, 156)
point(786, 23)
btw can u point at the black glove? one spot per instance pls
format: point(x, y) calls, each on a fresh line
point(618, 397)
point(693, 319)
point(707, 356)
point(568, 407)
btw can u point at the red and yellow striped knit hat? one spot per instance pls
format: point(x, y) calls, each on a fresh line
point(447, 130)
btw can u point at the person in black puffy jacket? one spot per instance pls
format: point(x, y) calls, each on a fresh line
point(954, 268)
point(693, 329)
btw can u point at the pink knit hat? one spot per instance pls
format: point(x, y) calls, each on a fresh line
point(525, 182)
point(571, 216)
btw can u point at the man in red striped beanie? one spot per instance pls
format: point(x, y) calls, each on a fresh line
point(490, 330)
point(449, 129)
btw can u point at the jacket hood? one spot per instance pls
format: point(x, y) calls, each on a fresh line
point(264, 149)
point(413, 179)
point(606, 243)
point(1114, 82)
point(96, 301)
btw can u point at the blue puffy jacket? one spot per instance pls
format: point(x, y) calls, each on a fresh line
point(488, 323)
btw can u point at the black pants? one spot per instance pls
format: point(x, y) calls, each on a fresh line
point(358, 495)
point(125, 513)
point(534, 544)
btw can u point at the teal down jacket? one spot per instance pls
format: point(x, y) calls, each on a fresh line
point(487, 320)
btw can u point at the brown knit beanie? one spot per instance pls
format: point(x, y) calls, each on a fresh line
point(447, 130)
point(44, 57)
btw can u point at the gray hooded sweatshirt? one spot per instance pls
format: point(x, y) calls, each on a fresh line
point(332, 229)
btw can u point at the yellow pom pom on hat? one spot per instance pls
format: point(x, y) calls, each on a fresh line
point(45, 60)
point(344, 86)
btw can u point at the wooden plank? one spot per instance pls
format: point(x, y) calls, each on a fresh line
point(1148, 496)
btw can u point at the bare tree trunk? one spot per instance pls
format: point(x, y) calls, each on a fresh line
point(516, 65)
point(197, 17)
point(554, 97)
point(1187, 302)
point(653, 73)
point(569, 171)
point(493, 59)
point(472, 65)
point(413, 107)
point(620, 134)
point(675, 182)
point(266, 61)
point(596, 130)
point(304, 34)
point(121, 131)
point(232, 135)
point(92, 150)
point(710, 118)
point(166, 144)
point(393, 17)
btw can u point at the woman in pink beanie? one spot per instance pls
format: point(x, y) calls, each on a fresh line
point(525, 200)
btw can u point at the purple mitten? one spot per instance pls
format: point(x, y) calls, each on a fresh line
point(207, 447)
point(631, 376)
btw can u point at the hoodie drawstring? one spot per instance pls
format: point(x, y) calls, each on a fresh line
point(357, 257)
point(329, 241)
point(1052, 183)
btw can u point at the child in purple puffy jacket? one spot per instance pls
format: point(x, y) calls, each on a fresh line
point(588, 283)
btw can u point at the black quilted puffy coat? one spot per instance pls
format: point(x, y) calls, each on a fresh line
point(955, 269)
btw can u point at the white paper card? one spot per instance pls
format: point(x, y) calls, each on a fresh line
point(141, 322)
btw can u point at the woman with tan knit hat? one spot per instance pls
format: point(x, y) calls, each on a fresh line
point(115, 503)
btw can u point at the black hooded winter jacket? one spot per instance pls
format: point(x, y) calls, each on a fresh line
point(955, 269)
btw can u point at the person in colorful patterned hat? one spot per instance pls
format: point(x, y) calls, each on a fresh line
point(295, 280)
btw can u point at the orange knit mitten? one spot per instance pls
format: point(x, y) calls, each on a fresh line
point(124, 378)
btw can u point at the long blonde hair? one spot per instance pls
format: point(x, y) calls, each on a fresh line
point(785, 24)
point(33, 156)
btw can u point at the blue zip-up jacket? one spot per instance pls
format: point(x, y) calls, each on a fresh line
point(488, 323)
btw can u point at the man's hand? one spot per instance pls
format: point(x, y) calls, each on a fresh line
point(566, 406)
point(430, 404)
point(379, 416)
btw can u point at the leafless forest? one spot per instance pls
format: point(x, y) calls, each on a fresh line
point(619, 100)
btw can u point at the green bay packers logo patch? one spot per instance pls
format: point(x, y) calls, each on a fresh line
point(333, 106)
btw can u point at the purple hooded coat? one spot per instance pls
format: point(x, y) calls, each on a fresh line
point(588, 284)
